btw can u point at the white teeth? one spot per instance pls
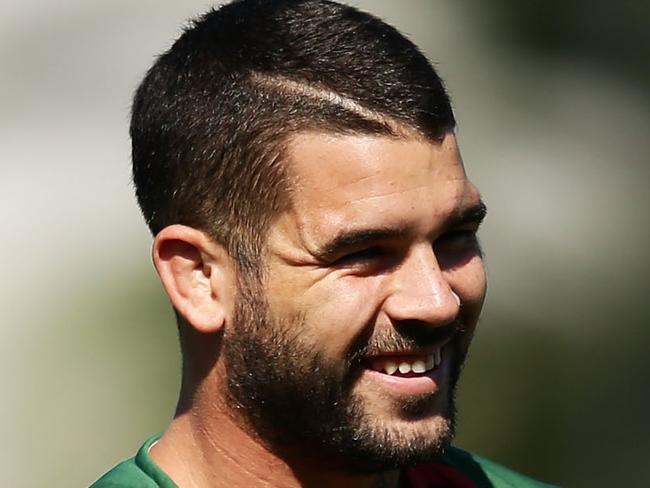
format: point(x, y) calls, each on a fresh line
point(418, 367)
point(404, 368)
point(431, 362)
point(390, 367)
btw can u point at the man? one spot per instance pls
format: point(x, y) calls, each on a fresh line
point(316, 234)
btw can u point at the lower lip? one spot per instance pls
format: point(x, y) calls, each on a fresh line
point(429, 382)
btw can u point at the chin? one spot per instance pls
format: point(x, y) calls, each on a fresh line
point(410, 433)
point(402, 444)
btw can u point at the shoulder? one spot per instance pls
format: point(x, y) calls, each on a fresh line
point(127, 474)
point(486, 473)
point(140, 471)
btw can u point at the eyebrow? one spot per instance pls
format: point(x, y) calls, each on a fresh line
point(358, 238)
point(470, 215)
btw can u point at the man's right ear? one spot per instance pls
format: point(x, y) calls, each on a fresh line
point(198, 275)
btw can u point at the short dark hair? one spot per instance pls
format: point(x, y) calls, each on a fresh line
point(210, 118)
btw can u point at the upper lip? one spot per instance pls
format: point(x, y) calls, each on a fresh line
point(410, 352)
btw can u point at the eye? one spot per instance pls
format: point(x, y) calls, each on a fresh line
point(370, 260)
point(461, 237)
point(370, 254)
point(456, 247)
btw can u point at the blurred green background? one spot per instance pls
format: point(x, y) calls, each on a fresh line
point(552, 99)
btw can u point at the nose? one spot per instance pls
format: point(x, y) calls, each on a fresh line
point(419, 292)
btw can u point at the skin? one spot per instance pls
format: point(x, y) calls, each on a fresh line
point(427, 271)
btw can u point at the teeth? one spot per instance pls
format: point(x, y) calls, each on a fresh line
point(431, 362)
point(404, 368)
point(390, 367)
point(418, 367)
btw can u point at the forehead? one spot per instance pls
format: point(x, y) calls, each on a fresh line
point(345, 181)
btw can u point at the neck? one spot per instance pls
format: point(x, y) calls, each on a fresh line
point(205, 447)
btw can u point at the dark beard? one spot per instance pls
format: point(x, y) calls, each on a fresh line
point(299, 404)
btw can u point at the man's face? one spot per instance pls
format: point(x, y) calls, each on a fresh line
point(351, 347)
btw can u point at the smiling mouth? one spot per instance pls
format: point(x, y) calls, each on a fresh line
point(406, 365)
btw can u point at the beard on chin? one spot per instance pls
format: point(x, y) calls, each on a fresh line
point(296, 402)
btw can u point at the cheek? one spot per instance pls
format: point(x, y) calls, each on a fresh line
point(469, 282)
point(336, 313)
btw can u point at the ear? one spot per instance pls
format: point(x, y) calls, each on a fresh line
point(198, 275)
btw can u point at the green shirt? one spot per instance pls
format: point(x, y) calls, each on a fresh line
point(455, 468)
